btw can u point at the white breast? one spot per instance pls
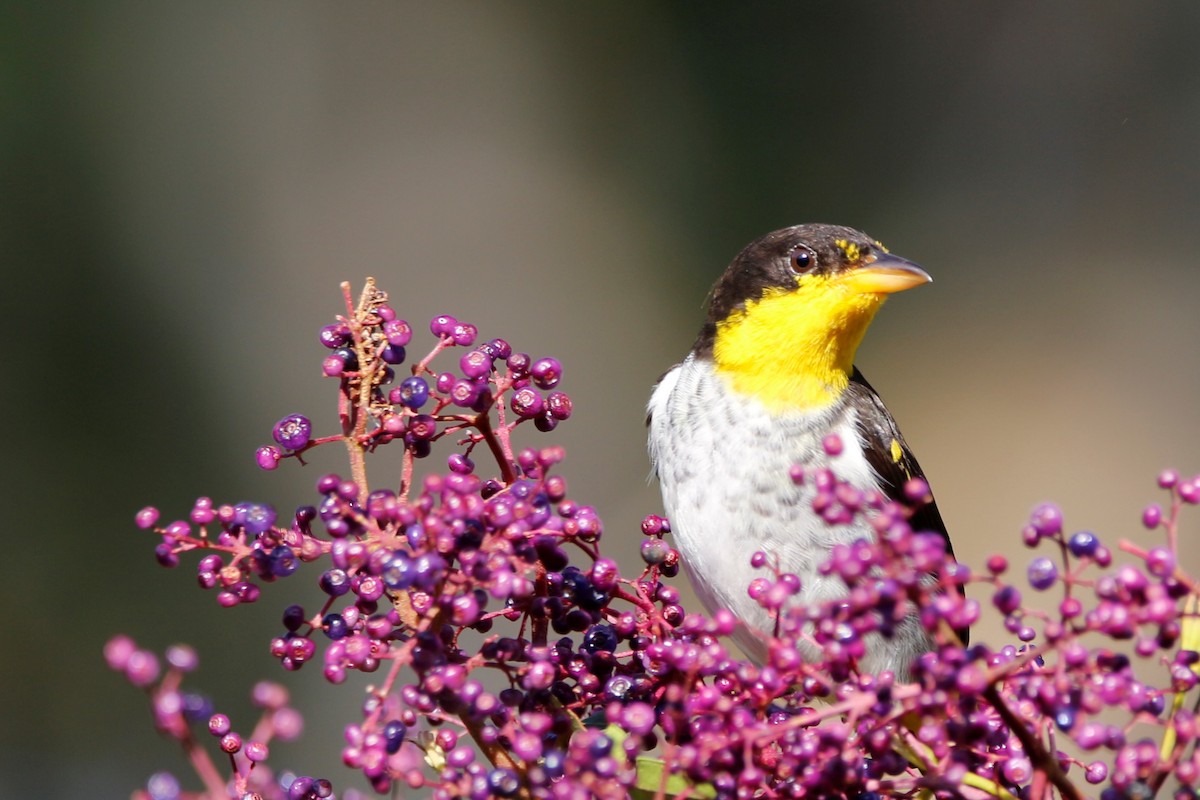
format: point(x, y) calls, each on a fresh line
point(723, 464)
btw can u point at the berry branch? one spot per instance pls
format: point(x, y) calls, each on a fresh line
point(520, 662)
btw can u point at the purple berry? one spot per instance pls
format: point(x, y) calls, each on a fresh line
point(546, 372)
point(333, 366)
point(293, 432)
point(1047, 520)
point(1083, 544)
point(1042, 573)
point(117, 651)
point(442, 325)
point(255, 518)
point(268, 457)
point(219, 725)
point(146, 517)
point(464, 334)
point(398, 332)
point(559, 405)
point(464, 393)
point(475, 364)
point(519, 364)
point(335, 335)
point(256, 751)
point(141, 668)
point(413, 392)
point(1160, 562)
point(182, 657)
point(503, 782)
point(422, 427)
point(500, 348)
point(527, 403)
point(392, 354)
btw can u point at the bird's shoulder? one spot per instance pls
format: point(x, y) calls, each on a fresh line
point(888, 453)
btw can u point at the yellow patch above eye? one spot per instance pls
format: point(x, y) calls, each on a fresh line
point(849, 249)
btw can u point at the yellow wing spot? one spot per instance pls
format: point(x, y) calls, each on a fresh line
point(897, 454)
point(879, 244)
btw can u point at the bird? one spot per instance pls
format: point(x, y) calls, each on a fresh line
point(770, 378)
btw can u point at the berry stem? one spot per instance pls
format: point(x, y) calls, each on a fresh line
point(500, 450)
point(1043, 760)
point(204, 767)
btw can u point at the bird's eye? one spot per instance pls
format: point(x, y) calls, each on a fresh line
point(801, 260)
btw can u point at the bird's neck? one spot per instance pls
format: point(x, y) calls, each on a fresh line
point(794, 352)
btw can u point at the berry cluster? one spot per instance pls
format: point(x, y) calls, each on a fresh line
point(510, 658)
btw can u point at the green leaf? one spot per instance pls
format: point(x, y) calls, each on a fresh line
point(652, 776)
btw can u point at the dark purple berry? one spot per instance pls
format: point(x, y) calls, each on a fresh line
point(392, 354)
point(334, 626)
point(503, 782)
point(255, 518)
point(1083, 544)
point(335, 335)
point(413, 392)
point(422, 427)
point(348, 357)
point(293, 617)
point(500, 348)
point(334, 582)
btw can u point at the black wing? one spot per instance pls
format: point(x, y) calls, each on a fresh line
point(893, 461)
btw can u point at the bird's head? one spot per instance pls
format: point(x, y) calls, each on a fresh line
point(786, 318)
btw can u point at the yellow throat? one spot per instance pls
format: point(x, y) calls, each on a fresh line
point(793, 350)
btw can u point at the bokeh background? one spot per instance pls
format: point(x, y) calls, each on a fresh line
point(184, 186)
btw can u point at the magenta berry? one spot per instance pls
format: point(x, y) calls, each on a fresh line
point(147, 517)
point(293, 432)
point(442, 325)
point(527, 403)
point(546, 372)
point(334, 336)
point(475, 364)
point(397, 332)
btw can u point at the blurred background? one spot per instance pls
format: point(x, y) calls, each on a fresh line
point(185, 185)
